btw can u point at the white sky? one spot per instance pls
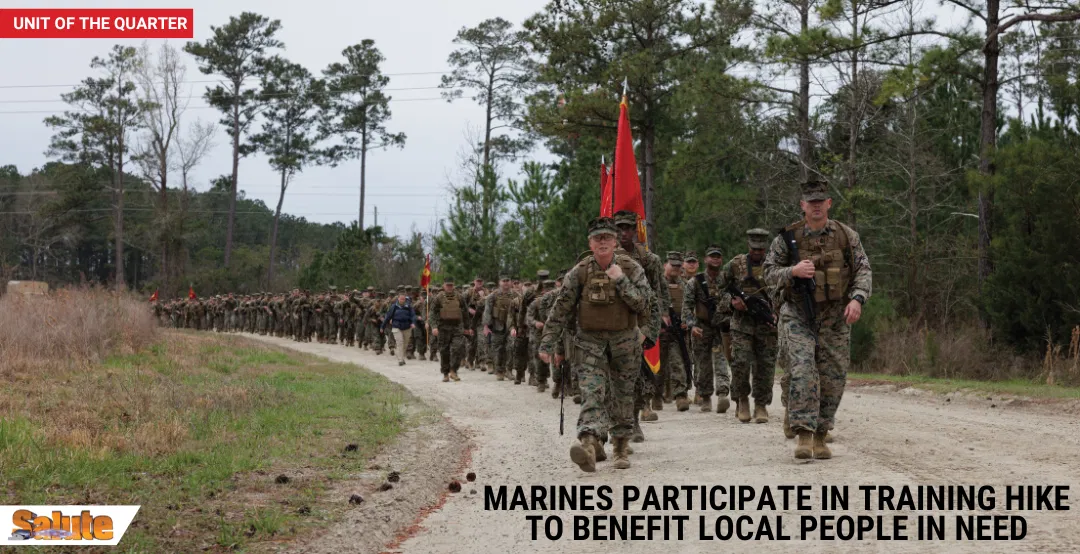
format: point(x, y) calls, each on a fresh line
point(407, 185)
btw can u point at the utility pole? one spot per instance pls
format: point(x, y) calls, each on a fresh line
point(376, 216)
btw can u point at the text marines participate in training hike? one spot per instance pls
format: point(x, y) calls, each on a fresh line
point(787, 303)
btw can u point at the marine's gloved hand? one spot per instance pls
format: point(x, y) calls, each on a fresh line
point(648, 343)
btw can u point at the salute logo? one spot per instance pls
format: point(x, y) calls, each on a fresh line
point(78, 524)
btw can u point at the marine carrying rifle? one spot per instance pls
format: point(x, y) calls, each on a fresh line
point(801, 286)
point(759, 308)
point(680, 337)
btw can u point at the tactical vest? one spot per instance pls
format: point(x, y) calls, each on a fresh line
point(832, 257)
point(450, 311)
point(751, 281)
point(600, 307)
point(701, 310)
point(676, 292)
point(501, 308)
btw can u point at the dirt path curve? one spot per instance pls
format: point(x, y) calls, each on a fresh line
point(883, 438)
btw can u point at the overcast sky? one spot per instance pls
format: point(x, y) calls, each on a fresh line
point(407, 185)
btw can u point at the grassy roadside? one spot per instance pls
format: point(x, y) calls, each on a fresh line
point(1013, 387)
point(196, 429)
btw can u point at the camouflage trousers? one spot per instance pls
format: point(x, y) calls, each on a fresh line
point(710, 363)
point(472, 346)
point(753, 365)
point(537, 366)
point(566, 349)
point(816, 373)
point(418, 341)
point(610, 366)
point(519, 356)
point(451, 348)
point(672, 368)
point(498, 350)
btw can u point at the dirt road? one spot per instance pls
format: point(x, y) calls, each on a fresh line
point(883, 437)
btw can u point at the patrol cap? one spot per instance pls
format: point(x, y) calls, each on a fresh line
point(448, 281)
point(675, 258)
point(543, 274)
point(332, 287)
point(478, 278)
point(815, 190)
point(489, 285)
point(714, 250)
point(548, 283)
point(603, 226)
point(626, 217)
point(758, 238)
point(690, 256)
point(371, 289)
point(504, 277)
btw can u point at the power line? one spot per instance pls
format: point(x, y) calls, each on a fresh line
point(203, 107)
point(220, 212)
point(223, 80)
point(157, 192)
point(273, 95)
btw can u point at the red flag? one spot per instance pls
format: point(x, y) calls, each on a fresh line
point(154, 297)
point(425, 277)
point(628, 197)
point(191, 293)
point(605, 191)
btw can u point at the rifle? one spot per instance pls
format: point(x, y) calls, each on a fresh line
point(564, 381)
point(804, 287)
point(710, 302)
point(680, 337)
point(759, 308)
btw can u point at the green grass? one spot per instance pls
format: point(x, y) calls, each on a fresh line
point(245, 415)
point(1016, 387)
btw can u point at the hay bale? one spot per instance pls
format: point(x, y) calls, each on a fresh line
point(28, 287)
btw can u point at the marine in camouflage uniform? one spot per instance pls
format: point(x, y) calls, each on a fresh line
point(672, 367)
point(627, 222)
point(611, 294)
point(497, 323)
point(418, 344)
point(753, 343)
point(706, 326)
point(474, 299)
point(451, 322)
point(535, 316)
point(818, 351)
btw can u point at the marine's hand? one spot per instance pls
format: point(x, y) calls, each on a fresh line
point(697, 332)
point(803, 270)
point(666, 320)
point(615, 271)
point(559, 359)
point(513, 332)
point(853, 312)
point(539, 325)
point(434, 332)
point(545, 357)
point(737, 303)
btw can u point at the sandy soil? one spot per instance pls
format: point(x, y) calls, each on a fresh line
point(883, 437)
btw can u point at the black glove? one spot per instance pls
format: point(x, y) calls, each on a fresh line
point(649, 343)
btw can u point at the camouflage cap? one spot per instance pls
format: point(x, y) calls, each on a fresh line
point(478, 278)
point(408, 288)
point(625, 217)
point(548, 283)
point(371, 289)
point(489, 285)
point(758, 238)
point(401, 287)
point(675, 258)
point(543, 274)
point(690, 256)
point(714, 250)
point(603, 226)
point(815, 190)
point(505, 277)
point(448, 281)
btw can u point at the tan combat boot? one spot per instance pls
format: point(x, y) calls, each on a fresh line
point(584, 453)
point(804, 449)
point(761, 415)
point(788, 432)
point(556, 389)
point(706, 404)
point(499, 376)
point(453, 375)
point(622, 459)
point(722, 404)
point(828, 437)
point(657, 403)
point(743, 410)
point(648, 415)
point(600, 454)
point(682, 404)
point(821, 451)
point(541, 386)
point(697, 399)
point(445, 377)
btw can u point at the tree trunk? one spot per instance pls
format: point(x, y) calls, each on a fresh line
point(363, 173)
point(235, 173)
point(803, 107)
point(854, 114)
point(120, 216)
point(487, 118)
point(273, 234)
point(649, 143)
point(163, 174)
point(987, 144)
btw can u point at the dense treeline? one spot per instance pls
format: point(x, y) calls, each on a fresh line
point(951, 144)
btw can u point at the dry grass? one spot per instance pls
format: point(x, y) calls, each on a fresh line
point(951, 353)
point(1062, 368)
point(70, 327)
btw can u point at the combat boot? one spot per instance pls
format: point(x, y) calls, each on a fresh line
point(577, 399)
point(453, 375)
point(601, 456)
point(445, 377)
point(761, 415)
point(722, 404)
point(804, 449)
point(742, 411)
point(706, 403)
point(541, 386)
point(648, 415)
point(622, 459)
point(532, 380)
point(556, 389)
point(788, 432)
point(657, 403)
point(682, 404)
point(500, 376)
point(821, 450)
point(697, 399)
point(638, 435)
point(828, 437)
point(584, 453)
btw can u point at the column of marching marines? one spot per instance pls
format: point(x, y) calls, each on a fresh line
point(787, 303)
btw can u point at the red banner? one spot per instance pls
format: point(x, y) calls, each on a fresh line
point(97, 23)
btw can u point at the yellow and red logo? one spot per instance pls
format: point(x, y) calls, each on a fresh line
point(84, 524)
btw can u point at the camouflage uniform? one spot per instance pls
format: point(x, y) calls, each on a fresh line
point(497, 322)
point(817, 369)
point(672, 366)
point(538, 311)
point(608, 346)
point(709, 363)
point(753, 343)
point(450, 317)
point(418, 345)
